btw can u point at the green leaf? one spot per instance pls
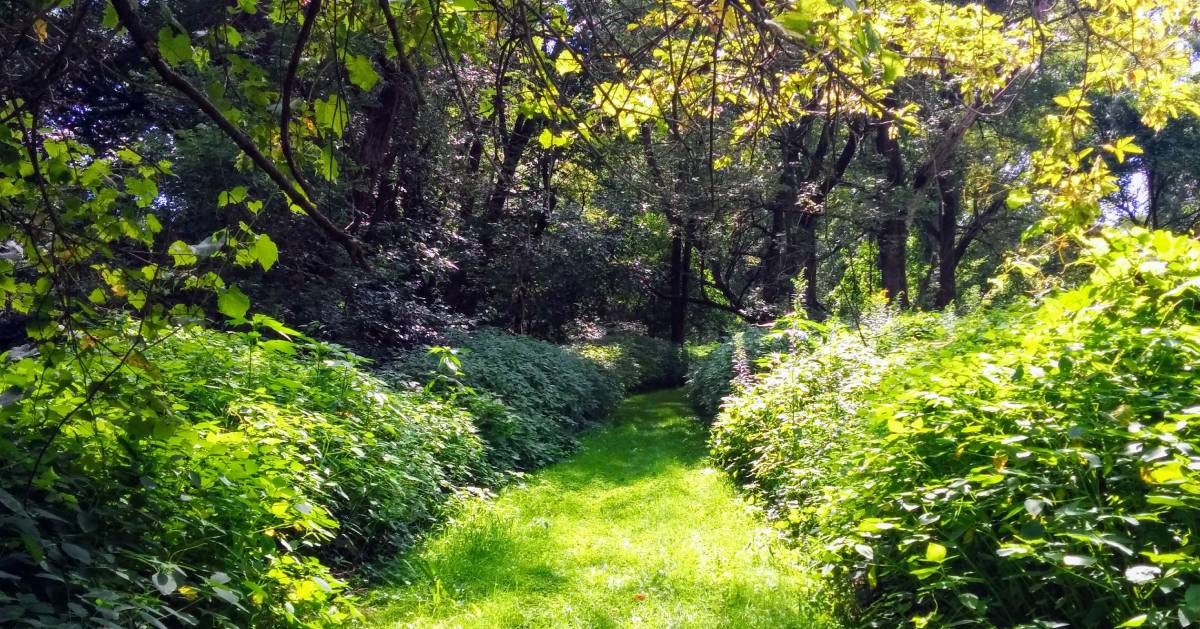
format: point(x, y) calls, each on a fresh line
point(1136, 621)
point(332, 115)
point(175, 47)
point(265, 251)
point(235, 195)
point(1017, 197)
point(78, 553)
point(567, 63)
point(794, 21)
point(277, 327)
point(935, 552)
point(1165, 500)
point(232, 36)
point(144, 189)
point(182, 253)
point(362, 72)
point(110, 18)
point(278, 345)
point(1191, 597)
point(871, 37)
point(1167, 473)
point(226, 594)
point(893, 65)
point(11, 503)
point(328, 168)
point(233, 303)
point(129, 156)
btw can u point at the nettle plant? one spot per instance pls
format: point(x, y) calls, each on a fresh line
point(102, 495)
point(1041, 468)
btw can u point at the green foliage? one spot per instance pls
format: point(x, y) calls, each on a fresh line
point(538, 378)
point(713, 376)
point(265, 465)
point(528, 397)
point(639, 363)
point(262, 467)
point(1035, 465)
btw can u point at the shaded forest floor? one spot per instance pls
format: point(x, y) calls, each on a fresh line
point(635, 530)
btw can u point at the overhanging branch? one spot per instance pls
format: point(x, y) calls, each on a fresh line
point(129, 19)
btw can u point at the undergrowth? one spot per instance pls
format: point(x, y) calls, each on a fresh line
point(270, 470)
point(1033, 465)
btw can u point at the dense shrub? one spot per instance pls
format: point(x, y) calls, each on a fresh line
point(1036, 465)
point(639, 363)
point(536, 377)
point(711, 377)
point(265, 466)
point(784, 431)
point(529, 397)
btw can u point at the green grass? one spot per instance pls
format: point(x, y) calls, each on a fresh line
point(635, 530)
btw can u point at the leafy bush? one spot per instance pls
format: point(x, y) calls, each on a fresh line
point(639, 363)
point(528, 397)
point(1036, 465)
point(712, 376)
point(264, 466)
point(783, 432)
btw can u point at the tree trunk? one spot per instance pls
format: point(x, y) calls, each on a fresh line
point(459, 291)
point(892, 239)
point(514, 149)
point(892, 234)
point(680, 270)
point(783, 254)
point(950, 206)
point(807, 239)
point(389, 136)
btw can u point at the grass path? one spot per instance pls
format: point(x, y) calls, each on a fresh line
point(634, 531)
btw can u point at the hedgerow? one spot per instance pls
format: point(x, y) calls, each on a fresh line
point(269, 465)
point(266, 473)
point(529, 397)
point(1028, 466)
point(710, 379)
point(638, 363)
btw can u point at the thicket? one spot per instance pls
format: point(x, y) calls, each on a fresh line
point(271, 469)
point(1022, 466)
point(529, 397)
point(711, 378)
point(638, 363)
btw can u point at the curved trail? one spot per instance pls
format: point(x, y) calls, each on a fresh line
point(633, 531)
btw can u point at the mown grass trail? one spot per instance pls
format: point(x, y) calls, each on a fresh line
point(635, 530)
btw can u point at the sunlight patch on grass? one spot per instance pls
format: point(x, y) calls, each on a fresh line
point(635, 531)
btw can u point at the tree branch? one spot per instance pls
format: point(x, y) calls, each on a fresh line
point(285, 109)
point(137, 32)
